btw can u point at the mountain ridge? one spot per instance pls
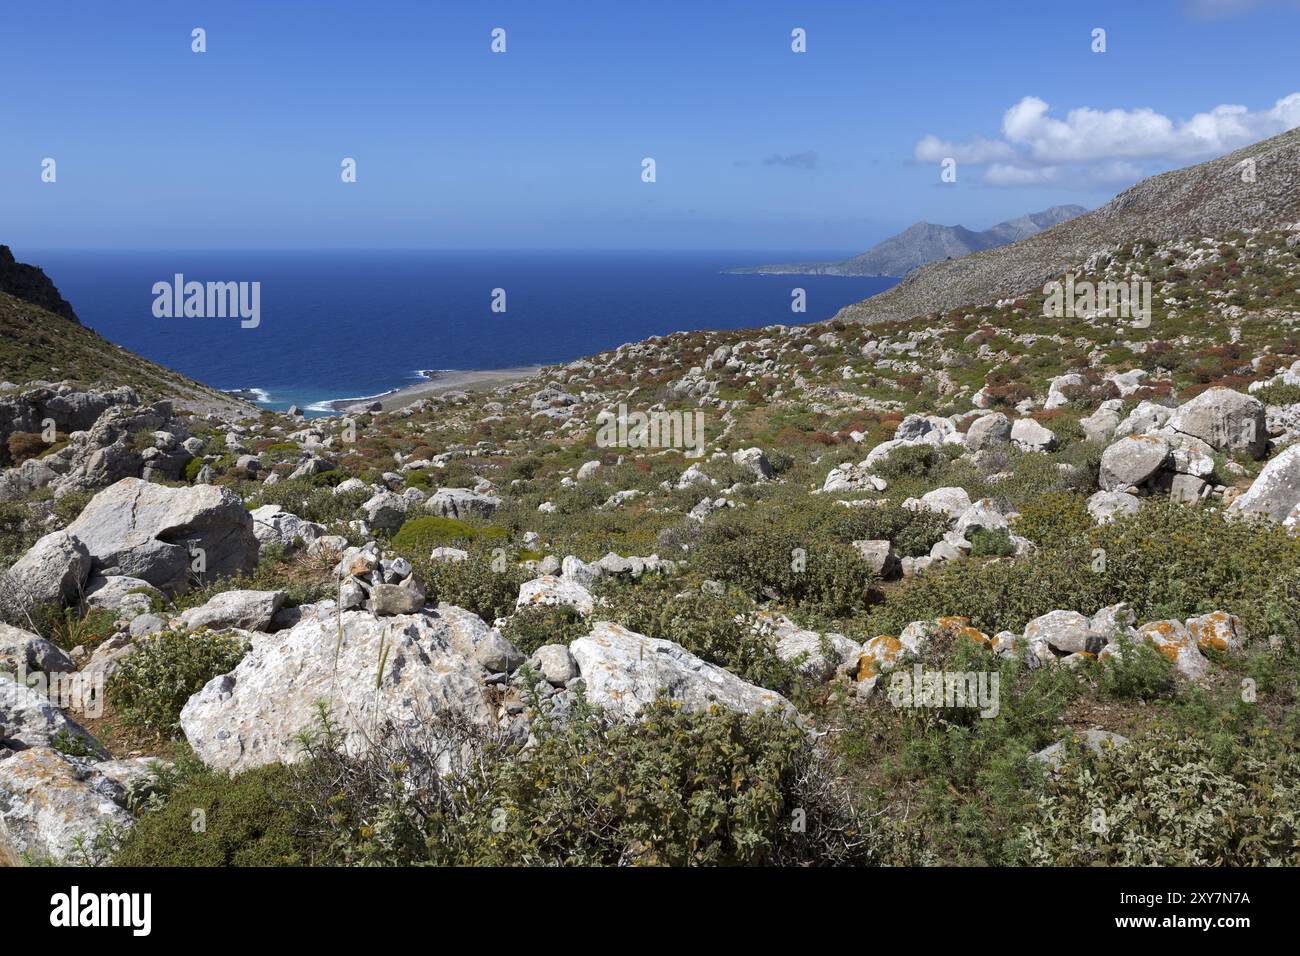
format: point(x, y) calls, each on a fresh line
point(924, 242)
point(1255, 186)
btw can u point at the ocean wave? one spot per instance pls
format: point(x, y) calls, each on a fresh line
point(260, 395)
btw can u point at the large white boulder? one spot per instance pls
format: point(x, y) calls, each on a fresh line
point(1029, 435)
point(368, 672)
point(272, 525)
point(461, 503)
point(551, 591)
point(988, 431)
point(157, 533)
point(1276, 490)
point(624, 671)
point(1224, 419)
point(246, 610)
point(52, 571)
point(23, 650)
point(29, 719)
point(51, 803)
point(1133, 461)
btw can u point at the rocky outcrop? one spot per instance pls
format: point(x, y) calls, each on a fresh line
point(31, 284)
point(1225, 420)
point(1275, 493)
point(550, 591)
point(461, 503)
point(29, 719)
point(166, 536)
point(369, 672)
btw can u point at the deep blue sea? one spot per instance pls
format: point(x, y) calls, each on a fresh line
point(338, 325)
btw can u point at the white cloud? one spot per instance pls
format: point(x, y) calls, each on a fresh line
point(1086, 134)
point(1101, 176)
point(1104, 147)
point(931, 149)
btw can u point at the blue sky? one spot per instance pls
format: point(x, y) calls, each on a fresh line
point(756, 147)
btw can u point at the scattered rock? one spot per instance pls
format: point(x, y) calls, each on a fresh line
point(624, 671)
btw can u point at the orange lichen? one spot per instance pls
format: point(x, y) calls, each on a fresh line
point(974, 634)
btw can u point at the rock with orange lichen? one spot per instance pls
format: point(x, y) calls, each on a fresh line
point(1066, 632)
point(50, 803)
point(879, 655)
point(1004, 643)
point(972, 634)
point(1218, 630)
point(1172, 639)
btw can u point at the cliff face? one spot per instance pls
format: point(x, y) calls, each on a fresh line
point(31, 284)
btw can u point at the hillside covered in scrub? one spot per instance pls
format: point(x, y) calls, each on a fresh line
point(474, 631)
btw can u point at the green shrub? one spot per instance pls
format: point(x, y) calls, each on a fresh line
point(771, 561)
point(990, 542)
point(1278, 393)
point(673, 788)
point(911, 461)
point(715, 627)
point(213, 819)
point(1055, 519)
point(1137, 672)
point(150, 686)
point(968, 780)
point(419, 536)
point(485, 584)
point(533, 627)
point(913, 531)
point(310, 500)
point(1170, 801)
point(1168, 561)
point(995, 595)
point(191, 470)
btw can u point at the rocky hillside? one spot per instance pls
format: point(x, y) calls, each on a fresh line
point(937, 589)
point(38, 346)
point(31, 284)
point(1206, 200)
point(926, 242)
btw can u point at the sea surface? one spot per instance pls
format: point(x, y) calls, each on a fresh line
point(344, 325)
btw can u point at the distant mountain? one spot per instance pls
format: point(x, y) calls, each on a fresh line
point(925, 242)
point(31, 284)
point(1255, 187)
